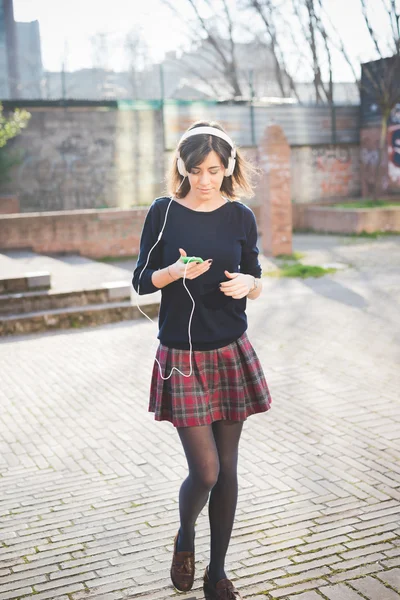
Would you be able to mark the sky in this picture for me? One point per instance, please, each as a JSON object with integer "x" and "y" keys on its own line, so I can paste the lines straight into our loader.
{"x": 76, "y": 21}
{"x": 67, "y": 26}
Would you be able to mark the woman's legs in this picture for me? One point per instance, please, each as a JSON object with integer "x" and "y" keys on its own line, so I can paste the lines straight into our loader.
{"x": 202, "y": 457}
{"x": 212, "y": 454}
{"x": 223, "y": 498}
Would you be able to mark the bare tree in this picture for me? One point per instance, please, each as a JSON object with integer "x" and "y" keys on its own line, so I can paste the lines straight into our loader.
{"x": 336, "y": 42}
{"x": 219, "y": 45}
{"x": 394, "y": 15}
{"x": 382, "y": 78}
{"x": 101, "y": 55}
{"x": 136, "y": 51}
{"x": 100, "y": 50}
{"x": 309, "y": 22}
{"x": 67, "y": 88}
{"x": 311, "y": 37}
{"x": 268, "y": 11}
{"x": 388, "y": 45}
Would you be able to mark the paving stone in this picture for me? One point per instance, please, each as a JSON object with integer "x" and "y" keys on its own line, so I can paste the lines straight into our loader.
{"x": 374, "y": 589}
{"x": 391, "y": 577}
{"x": 300, "y": 587}
{"x": 89, "y": 482}
{"x": 339, "y": 592}
{"x": 306, "y": 596}
{"x": 357, "y": 572}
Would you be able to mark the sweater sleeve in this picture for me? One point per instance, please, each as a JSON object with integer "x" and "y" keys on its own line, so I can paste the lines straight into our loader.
{"x": 142, "y": 281}
{"x": 249, "y": 263}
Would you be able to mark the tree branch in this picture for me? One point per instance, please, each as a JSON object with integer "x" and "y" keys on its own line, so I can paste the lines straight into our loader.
{"x": 209, "y": 35}
{"x": 395, "y": 22}
{"x": 198, "y": 74}
{"x": 369, "y": 27}
{"x": 340, "y": 46}
{"x": 229, "y": 64}
{"x": 271, "y": 31}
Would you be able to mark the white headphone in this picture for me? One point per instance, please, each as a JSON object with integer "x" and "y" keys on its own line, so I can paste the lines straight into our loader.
{"x": 211, "y": 131}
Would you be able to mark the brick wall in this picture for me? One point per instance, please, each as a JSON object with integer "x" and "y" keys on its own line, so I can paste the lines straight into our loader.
{"x": 78, "y": 157}
{"x": 320, "y": 172}
{"x": 113, "y": 232}
{"x": 96, "y": 234}
{"x": 340, "y": 220}
{"x": 88, "y": 157}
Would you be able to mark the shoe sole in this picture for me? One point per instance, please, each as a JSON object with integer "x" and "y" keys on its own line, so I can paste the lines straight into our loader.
{"x": 208, "y": 592}
{"x": 186, "y": 589}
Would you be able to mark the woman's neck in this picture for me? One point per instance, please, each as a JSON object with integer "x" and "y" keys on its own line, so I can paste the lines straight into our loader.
{"x": 195, "y": 203}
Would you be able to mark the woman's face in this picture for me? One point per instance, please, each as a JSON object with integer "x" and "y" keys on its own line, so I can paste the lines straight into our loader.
{"x": 206, "y": 179}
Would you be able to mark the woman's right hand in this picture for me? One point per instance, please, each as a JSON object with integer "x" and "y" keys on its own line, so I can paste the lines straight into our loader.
{"x": 192, "y": 269}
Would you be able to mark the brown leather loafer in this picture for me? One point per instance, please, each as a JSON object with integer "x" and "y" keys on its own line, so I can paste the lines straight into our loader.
{"x": 223, "y": 589}
{"x": 182, "y": 569}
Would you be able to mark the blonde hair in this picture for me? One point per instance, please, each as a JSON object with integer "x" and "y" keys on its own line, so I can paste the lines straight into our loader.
{"x": 194, "y": 150}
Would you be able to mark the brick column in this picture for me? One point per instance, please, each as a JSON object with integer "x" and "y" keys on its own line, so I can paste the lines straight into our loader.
{"x": 274, "y": 194}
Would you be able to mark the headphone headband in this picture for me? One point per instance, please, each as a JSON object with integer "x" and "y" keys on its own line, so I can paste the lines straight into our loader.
{"x": 207, "y": 130}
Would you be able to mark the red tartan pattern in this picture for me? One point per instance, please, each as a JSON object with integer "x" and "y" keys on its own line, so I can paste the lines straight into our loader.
{"x": 226, "y": 383}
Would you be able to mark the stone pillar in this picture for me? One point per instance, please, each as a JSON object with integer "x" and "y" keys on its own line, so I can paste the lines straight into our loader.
{"x": 274, "y": 193}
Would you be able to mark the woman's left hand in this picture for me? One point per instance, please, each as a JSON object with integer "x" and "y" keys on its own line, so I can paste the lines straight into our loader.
{"x": 239, "y": 285}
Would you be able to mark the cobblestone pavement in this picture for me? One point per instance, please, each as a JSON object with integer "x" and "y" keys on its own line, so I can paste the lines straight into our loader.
{"x": 89, "y": 481}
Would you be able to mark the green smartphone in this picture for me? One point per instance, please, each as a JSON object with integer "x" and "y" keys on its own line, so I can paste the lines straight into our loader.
{"x": 188, "y": 259}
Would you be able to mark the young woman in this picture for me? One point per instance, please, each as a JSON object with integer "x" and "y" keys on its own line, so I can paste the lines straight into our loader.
{"x": 207, "y": 378}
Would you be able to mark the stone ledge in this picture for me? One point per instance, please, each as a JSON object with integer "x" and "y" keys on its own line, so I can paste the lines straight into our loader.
{"x": 26, "y": 283}
{"x": 45, "y": 300}
{"x": 87, "y": 316}
{"x": 329, "y": 219}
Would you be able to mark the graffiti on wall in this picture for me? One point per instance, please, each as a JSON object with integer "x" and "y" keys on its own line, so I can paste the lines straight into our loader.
{"x": 87, "y": 159}
{"x": 320, "y": 172}
{"x": 369, "y": 156}
{"x": 394, "y": 147}
{"x": 74, "y": 173}
{"x": 389, "y": 173}
{"x": 334, "y": 168}
{"x": 394, "y": 154}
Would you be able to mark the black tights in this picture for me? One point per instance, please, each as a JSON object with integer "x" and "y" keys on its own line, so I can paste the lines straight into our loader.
{"x": 212, "y": 454}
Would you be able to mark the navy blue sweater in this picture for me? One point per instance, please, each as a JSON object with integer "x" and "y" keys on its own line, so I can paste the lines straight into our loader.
{"x": 228, "y": 235}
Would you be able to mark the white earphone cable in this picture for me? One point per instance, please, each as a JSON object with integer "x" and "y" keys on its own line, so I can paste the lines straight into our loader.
{"x": 137, "y": 293}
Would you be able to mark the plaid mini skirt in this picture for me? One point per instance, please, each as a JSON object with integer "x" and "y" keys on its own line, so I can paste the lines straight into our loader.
{"x": 226, "y": 383}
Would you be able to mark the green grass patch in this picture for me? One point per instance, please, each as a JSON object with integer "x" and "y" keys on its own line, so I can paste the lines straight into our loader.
{"x": 115, "y": 259}
{"x": 302, "y": 271}
{"x": 75, "y": 322}
{"x": 295, "y": 268}
{"x": 362, "y": 234}
{"x": 373, "y": 235}
{"x": 293, "y": 256}
{"x": 366, "y": 203}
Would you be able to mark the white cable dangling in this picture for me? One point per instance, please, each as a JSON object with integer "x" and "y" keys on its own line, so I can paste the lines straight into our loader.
{"x": 137, "y": 293}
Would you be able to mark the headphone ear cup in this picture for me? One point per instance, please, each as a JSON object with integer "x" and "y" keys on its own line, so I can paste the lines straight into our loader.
{"x": 181, "y": 166}
{"x": 231, "y": 165}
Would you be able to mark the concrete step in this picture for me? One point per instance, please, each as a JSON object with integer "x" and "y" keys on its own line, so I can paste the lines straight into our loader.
{"x": 30, "y": 302}
{"x": 25, "y": 283}
{"x": 68, "y": 318}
